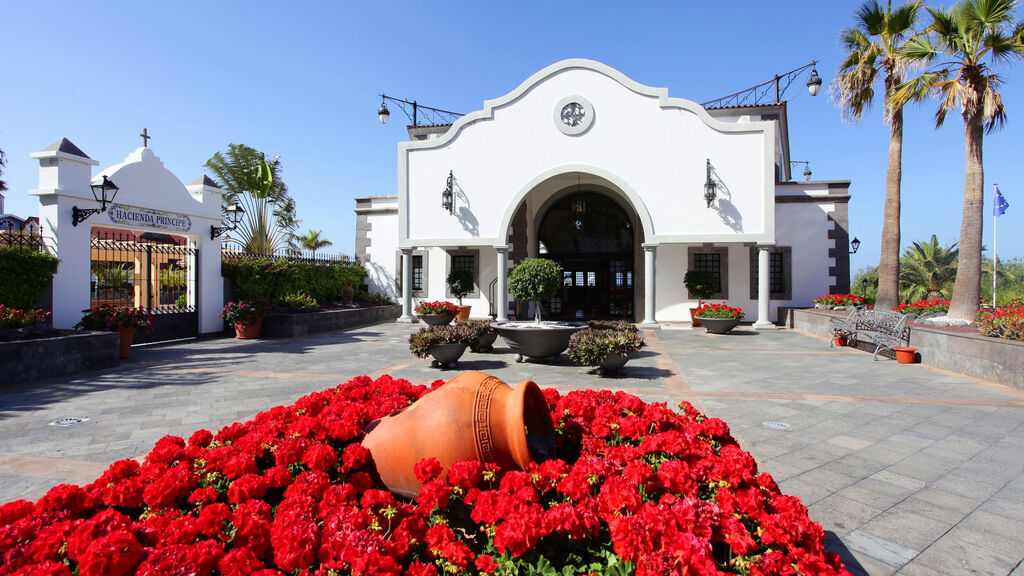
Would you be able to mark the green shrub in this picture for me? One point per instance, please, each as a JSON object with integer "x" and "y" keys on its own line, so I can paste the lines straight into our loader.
{"x": 535, "y": 279}
{"x": 421, "y": 342}
{"x": 24, "y": 275}
{"x": 590, "y": 347}
{"x": 460, "y": 283}
{"x": 620, "y": 325}
{"x": 297, "y": 299}
{"x": 700, "y": 284}
{"x": 275, "y": 278}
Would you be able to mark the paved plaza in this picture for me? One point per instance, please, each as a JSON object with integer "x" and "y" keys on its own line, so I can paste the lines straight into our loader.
{"x": 909, "y": 469}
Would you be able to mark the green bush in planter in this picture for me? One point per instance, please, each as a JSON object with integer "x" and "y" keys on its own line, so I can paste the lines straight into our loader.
{"x": 535, "y": 279}
{"x": 24, "y": 275}
{"x": 460, "y": 283}
{"x": 590, "y": 347}
{"x": 421, "y": 342}
{"x": 620, "y": 325}
{"x": 700, "y": 284}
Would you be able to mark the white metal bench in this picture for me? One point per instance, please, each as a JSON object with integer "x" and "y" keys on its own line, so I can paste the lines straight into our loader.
{"x": 885, "y": 329}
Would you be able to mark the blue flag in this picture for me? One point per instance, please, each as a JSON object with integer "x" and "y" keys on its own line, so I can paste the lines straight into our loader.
{"x": 1001, "y": 204}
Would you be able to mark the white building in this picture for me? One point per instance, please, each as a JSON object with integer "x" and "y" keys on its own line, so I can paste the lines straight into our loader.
{"x": 582, "y": 165}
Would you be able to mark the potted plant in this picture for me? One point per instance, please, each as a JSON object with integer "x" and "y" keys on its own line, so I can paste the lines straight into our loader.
{"x": 533, "y": 280}
{"x": 446, "y": 343}
{"x": 608, "y": 349}
{"x": 719, "y": 318}
{"x": 436, "y": 313}
{"x": 124, "y": 320}
{"x": 485, "y": 335}
{"x": 460, "y": 284}
{"x": 701, "y": 285}
{"x": 246, "y": 315}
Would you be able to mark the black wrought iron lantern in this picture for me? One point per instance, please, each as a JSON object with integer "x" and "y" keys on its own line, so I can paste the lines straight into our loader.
{"x": 855, "y": 244}
{"x": 448, "y": 196}
{"x": 814, "y": 82}
{"x": 709, "y": 187}
{"x": 234, "y": 213}
{"x": 383, "y": 113}
{"x": 104, "y": 192}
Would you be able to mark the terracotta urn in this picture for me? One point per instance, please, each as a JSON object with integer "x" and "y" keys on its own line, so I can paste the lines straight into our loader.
{"x": 127, "y": 334}
{"x": 250, "y": 330}
{"x": 473, "y": 416}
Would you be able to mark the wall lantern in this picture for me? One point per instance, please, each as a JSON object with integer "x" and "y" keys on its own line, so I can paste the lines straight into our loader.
{"x": 807, "y": 167}
{"x": 855, "y": 244}
{"x": 814, "y": 82}
{"x": 100, "y": 192}
{"x": 709, "y": 187}
{"x": 448, "y": 196}
{"x": 235, "y": 213}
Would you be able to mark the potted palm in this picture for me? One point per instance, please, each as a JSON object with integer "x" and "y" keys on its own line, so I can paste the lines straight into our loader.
{"x": 446, "y": 343}
{"x": 700, "y": 285}
{"x": 608, "y": 349}
{"x": 719, "y": 318}
{"x": 533, "y": 280}
{"x": 460, "y": 284}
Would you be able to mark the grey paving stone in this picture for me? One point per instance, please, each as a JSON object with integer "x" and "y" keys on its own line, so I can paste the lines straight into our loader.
{"x": 840, "y": 515}
{"x": 880, "y": 549}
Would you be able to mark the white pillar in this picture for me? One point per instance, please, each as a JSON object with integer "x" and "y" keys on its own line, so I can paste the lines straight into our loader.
{"x": 501, "y": 297}
{"x": 406, "y": 316}
{"x": 649, "y": 278}
{"x": 763, "y": 290}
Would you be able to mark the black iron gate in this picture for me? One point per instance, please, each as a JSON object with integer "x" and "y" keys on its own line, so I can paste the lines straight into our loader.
{"x": 152, "y": 270}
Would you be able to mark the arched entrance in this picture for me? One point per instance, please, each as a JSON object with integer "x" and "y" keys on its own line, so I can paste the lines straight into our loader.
{"x": 593, "y": 237}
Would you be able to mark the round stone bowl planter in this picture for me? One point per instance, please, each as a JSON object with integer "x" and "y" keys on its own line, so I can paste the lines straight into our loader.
{"x": 532, "y": 340}
{"x": 436, "y": 319}
{"x": 613, "y": 363}
{"x": 447, "y": 355}
{"x": 720, "y": 325}
{"x": 484, "y": 343}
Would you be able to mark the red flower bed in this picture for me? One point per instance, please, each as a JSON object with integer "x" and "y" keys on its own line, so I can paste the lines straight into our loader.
{"x": 638, "y": 488}
{"x": 924, "y": 306}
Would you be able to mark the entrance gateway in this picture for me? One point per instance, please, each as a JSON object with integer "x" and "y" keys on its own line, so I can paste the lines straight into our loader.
{"x": 585, "y": 166}
{"x": 150, "y": 248}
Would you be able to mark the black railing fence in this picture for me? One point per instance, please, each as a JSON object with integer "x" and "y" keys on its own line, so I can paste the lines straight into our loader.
{"x": 232, "y": 249}
{"x": 25, "y": 241}
{"x": 155, "y": 271}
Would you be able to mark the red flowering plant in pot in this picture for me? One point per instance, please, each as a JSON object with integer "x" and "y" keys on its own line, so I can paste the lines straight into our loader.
{"x": 246, "y": 316}
{"x": 124, "y": 320}
{"x": 634, "y": 488}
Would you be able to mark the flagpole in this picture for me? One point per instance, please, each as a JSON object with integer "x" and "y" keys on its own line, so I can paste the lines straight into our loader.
{"x": 995, "y": 254}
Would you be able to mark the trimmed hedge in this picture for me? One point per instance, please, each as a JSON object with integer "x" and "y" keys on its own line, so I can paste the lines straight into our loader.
{"x": 24, "y": 275}
{"x": 276, "y": 278}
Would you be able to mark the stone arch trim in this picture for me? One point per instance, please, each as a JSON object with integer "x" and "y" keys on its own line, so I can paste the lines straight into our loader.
{"x": 618, "y": 186}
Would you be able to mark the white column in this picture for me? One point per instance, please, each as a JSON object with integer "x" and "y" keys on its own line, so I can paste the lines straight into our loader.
{"x": 406, "y": 316}
{"x": 501, "y": 297}
{"x": 763, "y": 290}
{"x": 649, "y": 278}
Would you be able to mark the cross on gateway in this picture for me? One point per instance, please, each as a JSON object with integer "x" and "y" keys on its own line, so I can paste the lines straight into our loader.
{"x": 145, "y": 138}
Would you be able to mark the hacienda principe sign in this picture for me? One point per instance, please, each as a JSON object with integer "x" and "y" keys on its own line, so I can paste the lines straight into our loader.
{"x": 145, "y": 217}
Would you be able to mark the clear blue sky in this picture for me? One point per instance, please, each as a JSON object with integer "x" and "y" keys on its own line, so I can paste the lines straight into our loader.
{"x": 302, "y": 80}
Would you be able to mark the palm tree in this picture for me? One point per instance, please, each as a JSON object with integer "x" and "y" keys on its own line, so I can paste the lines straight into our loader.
{"x": 311, "y": 240}
{"x": 873, "y": 53}
{"x": 253, "y": 182}
{"x": 3, "y": 162}
{"x": 928, "y": 270}
{"x": 967, "y": 39}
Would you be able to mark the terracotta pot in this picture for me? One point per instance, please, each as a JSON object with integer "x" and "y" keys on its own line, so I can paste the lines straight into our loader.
{"x": 473, "y": 416}
{"x": 905, "y": 355}
{"x": 250, "y": 330}
{"x": 125, "y": 345}
{"x": 695, "y": 322}
{"x": 463, "y": 313}
{"x": 840, "y": 340}
{"x": 436, "y": 319}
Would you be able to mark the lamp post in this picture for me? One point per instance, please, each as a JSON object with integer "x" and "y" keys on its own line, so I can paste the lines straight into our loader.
{"x": 756, "y": 95}
{"x": 435, "y": 116}
{"x": 99, "y": 192}
{"x": 235, "y": 213}
{"x": 864, "y": 288}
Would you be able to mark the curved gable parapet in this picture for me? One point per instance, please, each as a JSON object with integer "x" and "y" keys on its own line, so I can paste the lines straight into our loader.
{"x": 143, "y": 180}
{"x": 664, "y": 101}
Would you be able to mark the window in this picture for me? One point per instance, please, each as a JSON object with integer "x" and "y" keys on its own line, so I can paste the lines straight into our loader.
{"x": 417, "y": 273}
{"x": 468, "y": 260}
{"x": 714, "y": 260}
{"x": 780, "y": 273}
{"x": 464, "y": 262}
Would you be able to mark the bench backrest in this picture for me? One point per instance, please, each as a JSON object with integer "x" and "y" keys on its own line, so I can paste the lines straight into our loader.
{"x": 883, "y": 321}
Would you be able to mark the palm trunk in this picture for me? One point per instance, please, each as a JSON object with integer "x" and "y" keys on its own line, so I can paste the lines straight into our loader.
{"x": 967, "y": 288}
{"x": 888, "y": 296}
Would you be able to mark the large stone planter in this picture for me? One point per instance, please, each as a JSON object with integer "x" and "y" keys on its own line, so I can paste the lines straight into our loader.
{"x": 613, "y": 363}
{"x": 299, "y": 325}
{"x": 532, "y": 340}
{"x": 484, "y": 343}
{"x": 66, "y": 352}
{"x": 719, "y": 325}
{"x": 447, "y": 355}
{"x": 436, "y": 319}
{"x": 474, "y": 416}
